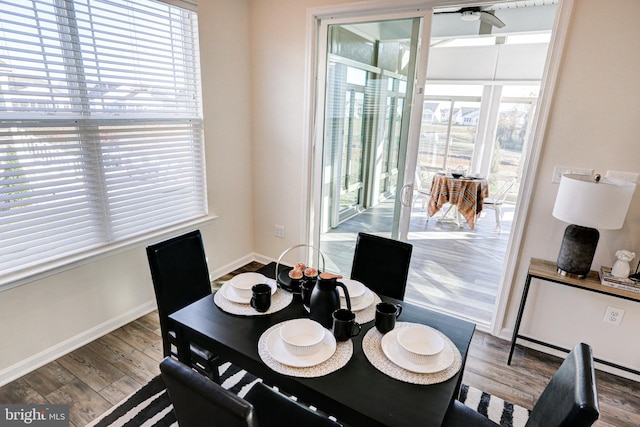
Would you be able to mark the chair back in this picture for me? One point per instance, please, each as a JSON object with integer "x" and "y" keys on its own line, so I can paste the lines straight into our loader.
{"x": 180, "y": 276}
{"x": 382, "y": 264}
{"x": 198, "y": 401}
{"x": 500, "y": 196}
{"x": 570, "y": 399}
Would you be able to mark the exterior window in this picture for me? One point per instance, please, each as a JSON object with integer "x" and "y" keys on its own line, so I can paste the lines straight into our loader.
{"x": 100, "y": 126}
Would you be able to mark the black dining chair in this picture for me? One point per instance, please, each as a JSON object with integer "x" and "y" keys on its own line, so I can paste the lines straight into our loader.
{"x": 180, "y": 276}
{"x": 382, "y": 264}
{"x": 569, "y": 400}
{"x": 198, "y": 401}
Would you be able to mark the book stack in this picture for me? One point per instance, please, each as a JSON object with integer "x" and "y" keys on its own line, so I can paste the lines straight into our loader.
{"x": 608, "y": 279}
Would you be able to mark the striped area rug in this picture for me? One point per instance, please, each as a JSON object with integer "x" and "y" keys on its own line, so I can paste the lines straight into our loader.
{"x": 150, "y": 406}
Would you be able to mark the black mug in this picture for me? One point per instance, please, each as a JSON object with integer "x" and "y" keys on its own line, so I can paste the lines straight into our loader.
{"x": 386, "y": 315}
{"x": 345, "y": 325}
{"x": 306, "y": 289}
{"x": 261, "y": 297}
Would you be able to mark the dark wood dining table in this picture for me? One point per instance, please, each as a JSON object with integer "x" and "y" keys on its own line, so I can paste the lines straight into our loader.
{"x": 358, "y": 394}
{"x": 464, "y": 194}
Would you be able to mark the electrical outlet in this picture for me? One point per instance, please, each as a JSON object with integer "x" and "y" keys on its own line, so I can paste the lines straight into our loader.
{"x": 280, "y": 231}
{"x": 558, "y": 171}
{"x": 613, "y": 315}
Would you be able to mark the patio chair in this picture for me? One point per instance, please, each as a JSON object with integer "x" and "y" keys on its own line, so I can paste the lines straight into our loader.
{"x": 419, "y": 192}
{"x": 569, "y": 400}
{"x": 180, "y": 276}
{"x": 497, "y": 200}
{"x": 197, "y": 401}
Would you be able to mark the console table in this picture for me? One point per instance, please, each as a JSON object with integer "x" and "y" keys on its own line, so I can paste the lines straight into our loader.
{"x": 547, "y": 270}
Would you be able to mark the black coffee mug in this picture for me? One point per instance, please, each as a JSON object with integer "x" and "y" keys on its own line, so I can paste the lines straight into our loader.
{"x": 386, "y": 315}
{"x": 306, "y": 289}
{"x": 345, "y": 325}
{"x": 261, "y": 297}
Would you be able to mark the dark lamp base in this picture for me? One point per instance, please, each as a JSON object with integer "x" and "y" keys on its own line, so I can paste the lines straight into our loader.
{"x": 577, "y": 251}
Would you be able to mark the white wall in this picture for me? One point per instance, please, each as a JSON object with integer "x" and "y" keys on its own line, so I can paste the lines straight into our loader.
{"x": 47, "y": 317}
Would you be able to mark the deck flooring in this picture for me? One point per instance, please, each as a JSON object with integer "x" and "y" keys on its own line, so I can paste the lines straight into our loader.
{"x": 453, "y": 269}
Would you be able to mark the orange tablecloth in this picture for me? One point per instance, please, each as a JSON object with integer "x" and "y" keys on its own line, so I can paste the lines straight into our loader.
{"x": 466, "y": 194}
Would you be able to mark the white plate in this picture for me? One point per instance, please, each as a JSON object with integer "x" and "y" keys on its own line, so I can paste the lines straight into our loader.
{"x": 230, "y": 294}
{"x": 351, "y": 285}
{"x": 276, "y": 349}
{"x": 247, "y": 280}
{"x": 365, "y": 301}
{"x": 393, "y": 351}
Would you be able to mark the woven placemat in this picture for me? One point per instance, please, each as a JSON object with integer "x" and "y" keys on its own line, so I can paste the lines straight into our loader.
{"x": 373, "y": 350}
{"x": 344, "y": 351}
{"x": 279, "y": 300}
{"x": 368, "y": 314}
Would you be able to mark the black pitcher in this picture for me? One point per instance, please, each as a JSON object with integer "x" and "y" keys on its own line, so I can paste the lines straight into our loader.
{"x": 325, "y": 299}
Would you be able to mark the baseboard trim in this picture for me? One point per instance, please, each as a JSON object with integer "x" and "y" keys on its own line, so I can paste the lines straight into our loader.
{"x": 227, "y": 268}
{"x": 52, "y": 353}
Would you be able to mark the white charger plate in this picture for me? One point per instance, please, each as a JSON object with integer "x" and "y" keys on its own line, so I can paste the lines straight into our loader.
{"x": 230, "y": 294}
{"x": 365, "y": 301}
{"x": 392, "y": 349}
{"x": 247, "y": 280}
{"x": 276, "y": 349}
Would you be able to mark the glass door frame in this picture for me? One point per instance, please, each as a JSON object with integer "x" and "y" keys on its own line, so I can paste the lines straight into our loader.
{"x": 413, "y": 111}
{"x": 383, "y": 10}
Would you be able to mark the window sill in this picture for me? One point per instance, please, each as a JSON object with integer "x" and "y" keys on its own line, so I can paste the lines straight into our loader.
{"x": 18, "y": 278}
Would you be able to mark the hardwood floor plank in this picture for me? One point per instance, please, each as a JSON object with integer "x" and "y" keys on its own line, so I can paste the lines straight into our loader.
{"x": 118, "y": 391}
{"x": 91, "y": 368}
{"x": 138, "y": 337}
{"x": 49, "y": 378}
{"x": 85, "y": 404}
{"x": 20, "y": 391}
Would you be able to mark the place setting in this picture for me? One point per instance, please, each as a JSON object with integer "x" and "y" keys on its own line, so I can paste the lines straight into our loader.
{"x": 409, "y": 352}
{"x": 304, "y": 348}
{"x": 251, "y": 294}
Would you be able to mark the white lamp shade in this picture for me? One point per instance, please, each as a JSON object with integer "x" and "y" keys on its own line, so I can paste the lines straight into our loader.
{"x": 583, "y": 201}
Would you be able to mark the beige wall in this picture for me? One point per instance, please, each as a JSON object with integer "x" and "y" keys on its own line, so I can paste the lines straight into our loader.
{"x": 254, "y": 76}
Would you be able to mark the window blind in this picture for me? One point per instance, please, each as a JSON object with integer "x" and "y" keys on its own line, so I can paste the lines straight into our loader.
{"x": 100, "y": 125}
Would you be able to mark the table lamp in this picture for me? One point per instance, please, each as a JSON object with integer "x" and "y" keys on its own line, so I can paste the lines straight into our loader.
{"x": 588, "y": 203}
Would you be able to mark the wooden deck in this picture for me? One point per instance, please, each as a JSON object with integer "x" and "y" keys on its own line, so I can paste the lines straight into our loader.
{"x": 453, "y": 269}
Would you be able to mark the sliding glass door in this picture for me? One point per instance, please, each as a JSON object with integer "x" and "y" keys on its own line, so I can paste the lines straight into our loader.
{"x": 366, "y": 97}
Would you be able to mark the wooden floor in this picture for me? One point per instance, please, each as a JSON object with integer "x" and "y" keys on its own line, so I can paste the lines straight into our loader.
{"x": 95, "y": 377}
{"x": 453, "y": 268}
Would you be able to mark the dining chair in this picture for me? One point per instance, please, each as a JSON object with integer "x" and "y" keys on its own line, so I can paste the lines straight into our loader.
{"x": 382, "y": 264}
{"x": 198, "y": 401}
{"x": 497, "y": 200}
{"x": 180, "y": 276}
{"x": 569, "y": 400}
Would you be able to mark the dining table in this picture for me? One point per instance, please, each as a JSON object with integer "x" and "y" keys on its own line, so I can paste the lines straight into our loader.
{"x": 464, "y": 194}
{"x": 358, "y": 393}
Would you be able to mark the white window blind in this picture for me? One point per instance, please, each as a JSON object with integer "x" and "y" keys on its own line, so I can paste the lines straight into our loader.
{"x": 100, "y": 125}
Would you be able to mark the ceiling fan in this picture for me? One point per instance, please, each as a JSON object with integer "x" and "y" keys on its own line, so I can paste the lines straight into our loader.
{"x": 475, "y": 14}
